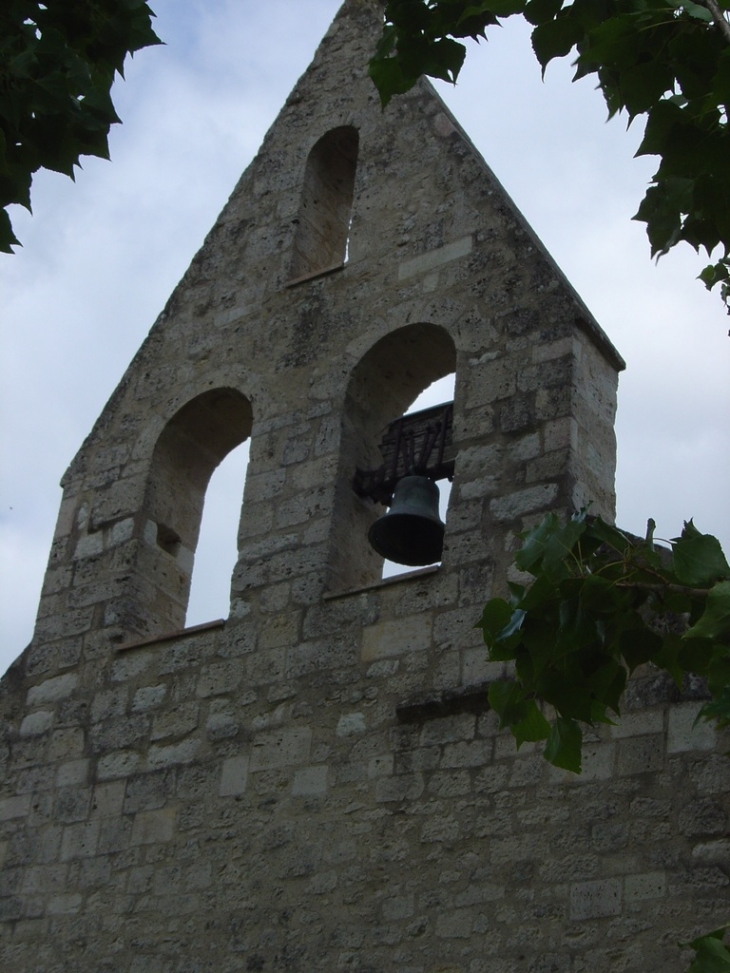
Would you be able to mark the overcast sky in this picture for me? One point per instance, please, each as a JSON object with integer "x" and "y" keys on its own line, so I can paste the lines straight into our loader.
{"x": 101, "y": 256}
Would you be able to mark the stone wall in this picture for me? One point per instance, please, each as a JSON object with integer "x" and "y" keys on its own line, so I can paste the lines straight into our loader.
{"x": 317, "y": 783}
{"x": 212, "y": 805}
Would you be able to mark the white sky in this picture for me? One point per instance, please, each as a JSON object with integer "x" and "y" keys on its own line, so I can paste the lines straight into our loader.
{"x": 101, "y": 256}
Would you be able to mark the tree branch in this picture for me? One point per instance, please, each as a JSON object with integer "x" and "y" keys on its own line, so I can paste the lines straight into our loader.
{"x": 718, "y": 17}
{"x": 678, "y": 589}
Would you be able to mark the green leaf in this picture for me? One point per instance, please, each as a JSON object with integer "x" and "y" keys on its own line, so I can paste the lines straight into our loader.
{"x": 692, "y": 9}
{"x": 532, "y": 727}
{"x": 499, "y": 8}
{"x": 668, "y": 657}
{"x": 549, "y": 544}
{"x": 718, "y": 675}
{"x": 59, "y": 61}
{"x": 698, "y": 558}
{"x": 540, "y": 11}
{"x": 714, "y": 623}
{"x": 555, "y": 38}
{"x": 608, "y": 534}
{"x": 712, "y": 956}
{"x": 7, "y": 237}
{"x": 640, "y": 645}
{"x": 388, "y": 77}
{"x": 507, "y": 700}
{"x": 495, "y": 617}
{"x": 714, "y": 274}
{"x": 563, "y": 748}
{"x": 718, "y": 710}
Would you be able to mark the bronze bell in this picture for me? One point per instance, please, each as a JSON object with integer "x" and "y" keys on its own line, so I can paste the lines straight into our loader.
{"x": 412, "y": 531}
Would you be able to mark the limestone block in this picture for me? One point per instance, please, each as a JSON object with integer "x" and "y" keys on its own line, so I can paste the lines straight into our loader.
{"x": 308, "y": 657}
{"x": 149, "y": 697}
{"x": 108, "y": 799}
{"x": 168, "y": 756}
{"x": 153, "y": 827}
{"x": 713, "y": 852}
{"x": 79, "y": 840}
{"x": 683, "y": 734}
{"x": 280, "y": 748}
{"x": 523, "y": 502}
{"x": 14, "y": 807}
{"x": 89, "y": 545}
{"x": 641, "y": 754}
{"x": 61, "y": 653}
{"x": 381, "y": 766}
{"x": 60, "y": 905}
{"x": 475, "y": 753}
{"x": 266, "y": 667}
{"x": 649, "y": 885}
{"x": 34, "y": 724}
{"x": 280, "y": 630}
{"x": 553, "y": 349}
{"x": 221, "y": 726}
{"x": 560, "y": 434}
{"x": 310, "y": 782}
{"x": 63, "y": 626}
{"x": 72, "y": 804}
{"x": 351, "y": 724}
{"x": 477, "y": 668}
{"x": 51, "y": 690}
{"x": 108, "y": 704}
{"x": 147, "y": 792}
{"x": 435, "y": 258}
{"x": 524, "y": 448}
{"x": 637, "y": 723}
{"x": 593, "y": 900}
{"x": 234, "y": 776}
{"x": 179, "y": 720}
{"x": 405, "y": 787}
{"x": 455, "y": 925}
{"x": 130, "y": 664}
{"x": 119, "y": 733}
{"x": 475, "y": 461}
{"x": 391, "y": 638}
{"x": 119, "y": 764}
{"x": 120, "y": 532}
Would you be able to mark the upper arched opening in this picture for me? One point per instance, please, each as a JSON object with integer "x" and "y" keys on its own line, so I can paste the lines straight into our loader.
{"x": 323, "y": 222}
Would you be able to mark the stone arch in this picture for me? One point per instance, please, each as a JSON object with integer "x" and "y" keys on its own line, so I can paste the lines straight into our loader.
{"x": 383, "y": 384}
{"x": 192, "y": 444}
{"x": 323, "y": 222}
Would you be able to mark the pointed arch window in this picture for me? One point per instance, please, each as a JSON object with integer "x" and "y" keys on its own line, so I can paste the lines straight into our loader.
{"x": 325, "y": 209}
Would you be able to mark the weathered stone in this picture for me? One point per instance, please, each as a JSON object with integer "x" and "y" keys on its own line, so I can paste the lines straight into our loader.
{"x": 318, "y": 783}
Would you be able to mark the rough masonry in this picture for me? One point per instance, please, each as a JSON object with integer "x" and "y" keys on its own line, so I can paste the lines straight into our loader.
{"x": 316, "y": 783}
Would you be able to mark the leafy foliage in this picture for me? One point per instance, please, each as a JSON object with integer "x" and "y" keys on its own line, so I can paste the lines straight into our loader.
{"x": 58, "y": 61}
{"x": 601, "y": 604}
{"x": 711, "y": 954}
{"x": 668, "y": 60}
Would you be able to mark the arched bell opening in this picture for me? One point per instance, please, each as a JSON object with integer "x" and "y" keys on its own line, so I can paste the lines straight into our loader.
{"x": 438, "y": 393}
{"x": 216, "y": 553}
{"x": 191, "y": 446}
{"x": 384, "y": 383}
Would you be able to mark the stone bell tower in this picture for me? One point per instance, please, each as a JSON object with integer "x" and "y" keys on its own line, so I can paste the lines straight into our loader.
{"x": 316, "y": 783}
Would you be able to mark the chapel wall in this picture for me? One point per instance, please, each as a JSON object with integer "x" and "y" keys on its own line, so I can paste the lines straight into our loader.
{"x": 316, "y": 782}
